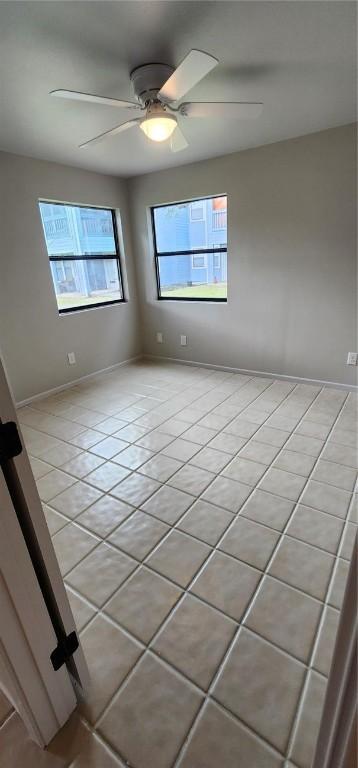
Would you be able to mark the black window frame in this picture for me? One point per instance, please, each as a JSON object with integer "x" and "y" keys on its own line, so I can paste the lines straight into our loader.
{"x": 195, "y": 251}
{"x": 88, "y": 257}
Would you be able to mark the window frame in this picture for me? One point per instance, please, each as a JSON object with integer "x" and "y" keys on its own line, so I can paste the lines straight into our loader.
{"x": 87, "y": 257}
{"x": 195, "y": 252}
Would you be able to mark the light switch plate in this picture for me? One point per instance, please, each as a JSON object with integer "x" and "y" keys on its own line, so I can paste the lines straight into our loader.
{"x": 71, "y": 358}
{"x": 183, "y": 341}
{"x": 352, "y": 358}
{"x": 159, "y": 337}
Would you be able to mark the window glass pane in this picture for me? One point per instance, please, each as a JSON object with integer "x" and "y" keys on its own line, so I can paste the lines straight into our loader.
{"x": 181, "y": 279}
{"x": 72, "y": 230}
{"x": 81, "y": 282}
{"x": 192, "y": 225}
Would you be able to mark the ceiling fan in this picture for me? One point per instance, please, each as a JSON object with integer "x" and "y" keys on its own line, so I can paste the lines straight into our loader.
{"x": 157, "y": 89}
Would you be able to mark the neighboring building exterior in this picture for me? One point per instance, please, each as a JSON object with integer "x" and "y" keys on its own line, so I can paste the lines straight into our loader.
{"x": 201, "y": 224}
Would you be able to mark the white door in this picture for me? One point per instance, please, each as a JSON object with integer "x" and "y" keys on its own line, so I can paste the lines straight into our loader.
{"x": 35, "y": 615}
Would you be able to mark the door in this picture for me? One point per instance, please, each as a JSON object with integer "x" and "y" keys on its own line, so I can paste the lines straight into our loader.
{"x": 36, "y": 620}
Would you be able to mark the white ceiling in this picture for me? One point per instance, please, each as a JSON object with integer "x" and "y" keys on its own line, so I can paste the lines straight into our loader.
{"x": 296, "y": 57}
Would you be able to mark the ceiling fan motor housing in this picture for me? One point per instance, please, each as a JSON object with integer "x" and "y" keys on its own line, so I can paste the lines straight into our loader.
{"x": 148, "y": 79}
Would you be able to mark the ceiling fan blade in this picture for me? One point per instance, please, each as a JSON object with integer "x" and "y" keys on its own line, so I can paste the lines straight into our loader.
{"x": 77, "y": 96}
{"x": 230, "y": 109}
{"x": 178, "y": 141}
{"x": 111, "y": 132}
{"x": 192, "y": 69}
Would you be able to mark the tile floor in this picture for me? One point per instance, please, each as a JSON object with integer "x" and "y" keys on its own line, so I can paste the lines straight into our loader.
{"x": 203, "y": 523}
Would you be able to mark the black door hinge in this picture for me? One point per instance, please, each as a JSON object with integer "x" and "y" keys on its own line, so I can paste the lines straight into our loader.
{"x": 10, "y": 443}
{"x": 64, "y": 650}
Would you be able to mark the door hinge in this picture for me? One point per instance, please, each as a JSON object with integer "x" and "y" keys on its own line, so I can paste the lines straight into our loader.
{"x": 64, "y": 650}
{"x": 10, "y": 443}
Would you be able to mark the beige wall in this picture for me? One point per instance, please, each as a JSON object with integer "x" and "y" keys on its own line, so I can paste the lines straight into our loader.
{"x": 34, "y": 338}
{"x": 291, "y": 259}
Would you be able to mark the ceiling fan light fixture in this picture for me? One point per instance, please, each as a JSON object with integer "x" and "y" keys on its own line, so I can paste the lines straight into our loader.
{"x": 158, "y": 125}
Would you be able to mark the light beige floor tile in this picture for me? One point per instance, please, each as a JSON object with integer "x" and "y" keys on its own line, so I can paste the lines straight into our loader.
{"x": 179, "y": 557}
{"x": 96, "y": 755}
{"x": 195, "y": 639}
{"x": 340, "y": 454}
{"x": 206, "y": 521}
{"x": 302, "y": 566}
{"x": 165, "y": 707}
{"x": 285, "y": 423}
{"x": 226, "y": 584}
{"x": 272, "y": 682}
{"x": 191, "y": 479}
{"x": 210, "y": 459}
{"x": 198, "y": 434}
{"x": 260, "y": 452}
{"x": 327, "y": 637}
{"x": 53, "y": 483}
{"x": 311, "y": 429}
{"x": 111, "y": 425}
{"x": 108, "y": 447}
{"x": 344, "y": 437}
{"x": 168, "y": 504}
{"x": 285, "y": 617}
{"x": 107, "y": 476}
{"x": 76, "y": 499}
{"x": 270, "y": 510}
{"x": 82, "y": 611}
{"x": 327, "y": 498}
{"x": 39, "y": 467}
{"x": 335, "y": 474}
{"x": 135, "y": 489}
{"x": 213, "y": 421}
{"x": 306, "y": 733}
{"x": 316, "y": 528}
{"x": 250, "y": 542}
{"x": 19, "y": 751}
{"x": 87, "y": 439}
{"x": 338, "y": 584}
{"x": 312, "y": 446}
{"x": 241, "y": 428}
{"x": 173, "y": 427}
{"x": 347, "y": 542}
{"x": 61, "y": 454}
{"x": 82, "y": 464}
{"x": 271, "y": 436}
{"x": 220, "y": 741}
{"x": 131, "y": 432}
{"x": 133, "y": 457}
{"x": 155, "y": 441}
{"x": 71, "y": 545}
{"x": 284, "y": 484}
{"x": 181, "y": 449}
{"x": 244, "y": 471}
{"x": 105, "y": 515}
{"x": 143, "y": 602}
{"x": 228, "y": 443}
{"x": 160, "y": 467}
{"x": 100, "y": 573}
{"x": 54, "y": 520}
{"x": 292, "y": 461}
{"x": 110, "y": 655}
{"x": 227, "y": 493}
{"x": 139, "y": 534}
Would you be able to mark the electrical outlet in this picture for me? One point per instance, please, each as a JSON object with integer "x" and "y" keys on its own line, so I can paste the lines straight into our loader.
{"x": 352, "y": 358}
{"x": 183, "y": 341}
{"x": 71, "y": 358}
{"x": 159, "y": 337}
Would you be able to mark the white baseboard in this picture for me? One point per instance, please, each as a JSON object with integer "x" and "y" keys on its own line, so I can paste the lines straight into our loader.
{"x": 73, "y": 383}
{"x": 264, "y": 374}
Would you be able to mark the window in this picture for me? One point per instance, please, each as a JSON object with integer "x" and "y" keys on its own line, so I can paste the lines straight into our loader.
{"x": 190, "y": 255}
{"x": 82, "y": 245}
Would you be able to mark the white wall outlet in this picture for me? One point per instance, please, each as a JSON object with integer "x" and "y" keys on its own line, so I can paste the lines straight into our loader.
{"x": 183, "y": 341}
{"x": 71, "y": 358}
{"x": 159, "y": 337}
{"x": 352, "y": 358}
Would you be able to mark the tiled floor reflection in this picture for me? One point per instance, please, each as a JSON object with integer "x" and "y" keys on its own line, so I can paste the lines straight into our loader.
{"x": 203, "y": 523}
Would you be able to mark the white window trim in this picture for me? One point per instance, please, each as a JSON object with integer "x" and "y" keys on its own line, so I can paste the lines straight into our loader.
{"x": 200, "y": 255}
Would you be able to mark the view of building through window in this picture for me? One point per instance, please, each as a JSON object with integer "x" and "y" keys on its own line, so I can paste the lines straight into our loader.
{"x": 190, "y": 243}
{"x": 82, "y": 245}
